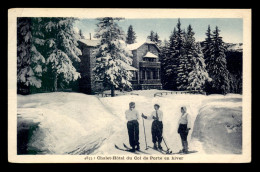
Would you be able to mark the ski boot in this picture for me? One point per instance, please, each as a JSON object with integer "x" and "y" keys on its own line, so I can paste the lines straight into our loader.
{"x": 133, "y": 149}
{"x": 137, "y": 147}
{"x": 185, "y": 147}
{"x": 154, "y": 146}
{"x": 159, "y": 146}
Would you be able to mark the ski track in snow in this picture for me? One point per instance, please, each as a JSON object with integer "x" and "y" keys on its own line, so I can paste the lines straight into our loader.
{"x": 74, "y": 123}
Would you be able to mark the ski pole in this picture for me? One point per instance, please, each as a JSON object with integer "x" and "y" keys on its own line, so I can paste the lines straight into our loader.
{"x": 168, "y": 150}
{"x": 144, "y": 135}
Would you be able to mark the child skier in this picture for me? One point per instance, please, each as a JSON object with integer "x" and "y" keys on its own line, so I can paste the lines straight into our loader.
{"x": 157, "y": 126}
{"x": 132, "y": 116}
{"x": 184, "y": 127}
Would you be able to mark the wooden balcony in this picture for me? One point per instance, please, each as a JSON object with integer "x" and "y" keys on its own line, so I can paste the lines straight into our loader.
{"x": 150, "y": 81}
{"x": 150, "y": 64}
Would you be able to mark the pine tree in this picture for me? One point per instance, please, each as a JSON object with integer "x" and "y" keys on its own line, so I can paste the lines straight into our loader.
{"x": 208, "y": 46}
{"x": 196, "y": 68}
{"x": 30, "y": 61}
{"x": 157, "y": 40}
{"x": 131, "y": 38}
{"x": 198, "y": 77}
{"x": 47, "y": 49}
{"x": 60, "y": 51}
{"x": 167, "y": 61}
{"x": 151, "y": 36}
{"x": 185, "y": 62}
{"x": 163, "y": 55}
{"x": 217, "y": 66}
{"x": 81, "y": 34}
{"x": 180, "y": 59}
{"x": 112, "y": 55}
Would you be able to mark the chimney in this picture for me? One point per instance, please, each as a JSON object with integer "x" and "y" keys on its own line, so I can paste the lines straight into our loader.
{"x": 90, "y": 36}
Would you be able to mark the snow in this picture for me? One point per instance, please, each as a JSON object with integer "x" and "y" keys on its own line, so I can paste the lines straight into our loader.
{"x": 139, "y": 44}
{"x": 235, "y": 47}
{"x": 134, "y": 46}
{"x": 128, "y": 67}
{"x": 68, "y": 121}
{"x": 82, "y": 124}
{"x": 89, "y": 42}
{"x": 219, "y": 128}
{"x": 151, "y": 55}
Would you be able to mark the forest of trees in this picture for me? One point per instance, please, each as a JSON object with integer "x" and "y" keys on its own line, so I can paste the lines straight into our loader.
{"x": 200, "y": 66}
{"x": 47, "y": 53}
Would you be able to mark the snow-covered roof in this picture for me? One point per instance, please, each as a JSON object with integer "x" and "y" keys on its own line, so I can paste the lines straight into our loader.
{"x": 139, "y": 44}
{"x": 235, "y": 47}
{"x": 128, "y": 67}
{"x": 134, "y": 46}
{"x": 150, "y": 55}
{"x": 90, "y": 42}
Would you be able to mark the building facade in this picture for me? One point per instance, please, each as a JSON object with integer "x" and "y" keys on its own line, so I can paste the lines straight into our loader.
{"x": 146, "y": 60}
{"x": 146, "y": 67}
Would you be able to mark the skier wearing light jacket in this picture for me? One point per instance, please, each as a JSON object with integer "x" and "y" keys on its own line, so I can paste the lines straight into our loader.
{"x": 132, "y": 116}
{"x": 184, "y": 127}
{"x": 157, "y": 126}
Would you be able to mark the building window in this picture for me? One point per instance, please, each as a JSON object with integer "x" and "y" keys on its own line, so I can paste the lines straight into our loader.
{"x": 148, "y": 74}
{"x": 155, "y": 74}
{"x": 143, "y": 74}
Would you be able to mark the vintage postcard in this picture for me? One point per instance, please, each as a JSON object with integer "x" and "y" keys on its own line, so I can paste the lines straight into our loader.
{"x": 129, "y": 85}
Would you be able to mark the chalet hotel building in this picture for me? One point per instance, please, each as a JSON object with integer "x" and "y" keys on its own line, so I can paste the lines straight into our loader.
{"x": 146, "y": 66}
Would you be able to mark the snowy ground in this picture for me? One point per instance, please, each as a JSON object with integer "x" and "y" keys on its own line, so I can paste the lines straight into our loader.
{"x": 82, "y": 124}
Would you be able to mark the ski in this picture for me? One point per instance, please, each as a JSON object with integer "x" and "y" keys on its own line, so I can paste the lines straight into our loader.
{"x": 189, "y": 152}
{"x": 159, "y": 150}
{"x": 136, "y": 150}
{"x": 126, "y": 150}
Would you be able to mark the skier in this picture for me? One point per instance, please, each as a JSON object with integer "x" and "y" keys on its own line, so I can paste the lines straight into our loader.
{"x": 132, "y": 116}
{"x": 184, "y": 127}
{"x": 157, "y": 126}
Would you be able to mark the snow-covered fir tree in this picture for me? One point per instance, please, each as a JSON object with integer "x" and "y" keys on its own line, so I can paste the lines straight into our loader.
{"x": 217, "y": 66}
{"x": 208, "y": 46}
{"x": 112, "y": 55}
{"x": 163, "y": 55}
{"x": 131, "y": 36}
{"x": 198, "y": 77}
{"x": 195, "y": 66}
{"x": 30, "y": 61}
{"x": 60, "y": 51}
{"x": 47, "y": 49}
{"x": 167, "y": 61}
{"x": 180, "y": 59}
{"x": 185, "y": 60}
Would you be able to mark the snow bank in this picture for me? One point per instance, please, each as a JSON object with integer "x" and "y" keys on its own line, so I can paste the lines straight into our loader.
{"x": 67, "y": 122}
{"x": 219, "y": 128}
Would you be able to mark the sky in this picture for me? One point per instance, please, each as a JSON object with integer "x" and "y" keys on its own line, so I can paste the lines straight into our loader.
{"x": 231, "y": 29}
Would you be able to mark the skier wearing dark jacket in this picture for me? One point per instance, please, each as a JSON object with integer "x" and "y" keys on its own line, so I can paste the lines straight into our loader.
{"x": 184, "y": 127}
{"x": 132, "y": 117}
{"x": 157, "y": 126}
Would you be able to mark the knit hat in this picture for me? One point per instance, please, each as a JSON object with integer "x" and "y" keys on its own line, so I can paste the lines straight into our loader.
{"x": 131, "y": 104}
